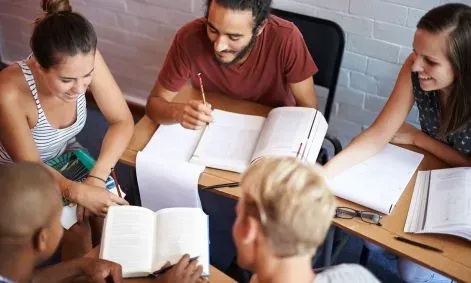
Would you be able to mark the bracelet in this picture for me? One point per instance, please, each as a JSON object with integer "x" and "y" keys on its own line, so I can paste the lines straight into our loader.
{"x": 101, "y": 179}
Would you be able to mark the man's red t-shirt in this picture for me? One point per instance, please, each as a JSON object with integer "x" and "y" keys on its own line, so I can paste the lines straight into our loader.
{"x": 279, "y": 57}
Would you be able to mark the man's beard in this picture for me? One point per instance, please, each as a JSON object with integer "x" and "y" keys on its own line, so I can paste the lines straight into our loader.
{"x": 241, "y": 54}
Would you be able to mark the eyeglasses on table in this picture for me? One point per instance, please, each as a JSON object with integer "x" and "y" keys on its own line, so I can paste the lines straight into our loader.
{"x": 366, "y": 216}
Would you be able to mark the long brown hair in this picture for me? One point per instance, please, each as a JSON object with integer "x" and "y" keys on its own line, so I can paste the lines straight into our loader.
{"x": 455, "y": 19}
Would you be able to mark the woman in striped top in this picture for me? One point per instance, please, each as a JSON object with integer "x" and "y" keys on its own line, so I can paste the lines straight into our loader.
{"x": 43, "y": 108}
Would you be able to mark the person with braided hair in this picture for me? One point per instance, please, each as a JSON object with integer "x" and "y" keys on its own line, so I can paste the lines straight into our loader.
{"x": 241, "y": 51}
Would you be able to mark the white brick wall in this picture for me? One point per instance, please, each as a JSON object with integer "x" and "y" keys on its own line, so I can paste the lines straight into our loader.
{"x": 134, "y": 36}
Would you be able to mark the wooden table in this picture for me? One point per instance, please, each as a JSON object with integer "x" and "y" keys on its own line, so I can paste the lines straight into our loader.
{"x": 216, "y": 276}
{"x": 455, "y": 261}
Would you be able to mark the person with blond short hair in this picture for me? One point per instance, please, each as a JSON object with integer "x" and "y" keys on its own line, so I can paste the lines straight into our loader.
{"x": 283, "y": 216}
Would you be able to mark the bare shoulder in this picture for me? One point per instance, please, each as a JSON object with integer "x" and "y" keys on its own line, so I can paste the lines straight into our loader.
{"x": 13, "y": 87}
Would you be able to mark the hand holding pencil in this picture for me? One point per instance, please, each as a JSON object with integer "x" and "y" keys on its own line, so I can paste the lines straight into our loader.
{"x": 195, "y": 114}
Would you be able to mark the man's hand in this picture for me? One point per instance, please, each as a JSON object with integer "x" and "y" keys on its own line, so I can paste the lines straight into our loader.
{"x": 183, "y": 272}
{"x": 100, "y": 270}
{"x": 193, "y": 114}
{"x": 407, "y": 134}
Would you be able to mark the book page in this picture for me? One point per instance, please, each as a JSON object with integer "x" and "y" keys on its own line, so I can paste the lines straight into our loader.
{"x": 284, "y": 130}
{"x": 449, "y": 201}
{"x": 181, "y": 231}
{"x": 379, "y": 181}
{"x": 418, "y": 204}
{"x": 128, "y": 239}
{"x": 228, "y": 143}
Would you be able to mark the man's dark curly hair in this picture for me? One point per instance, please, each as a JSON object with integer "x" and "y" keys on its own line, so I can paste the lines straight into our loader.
{"x": 260, "y": 8}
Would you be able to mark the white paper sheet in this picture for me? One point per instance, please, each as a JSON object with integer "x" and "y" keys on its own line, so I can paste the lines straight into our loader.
{"x": 164, "y": 182}
{"x": 379, "y": 181}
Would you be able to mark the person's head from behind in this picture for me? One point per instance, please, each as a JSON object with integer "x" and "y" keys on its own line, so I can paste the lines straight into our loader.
{"x": 31, "y": 208}
{"x": 64, "y": 45}
{"x": 442, "y": 59}
{"x": 285, "y": 211}
{"x": 233, "y": 26}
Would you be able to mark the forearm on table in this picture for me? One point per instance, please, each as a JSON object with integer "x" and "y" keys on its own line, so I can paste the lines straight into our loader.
{"x": 161, "y": 110}
{"x": 443, "y": 151}
{"x": 114, "y": 143}
{"x": 360, "y": 148}
{"x": 61, "y": 272}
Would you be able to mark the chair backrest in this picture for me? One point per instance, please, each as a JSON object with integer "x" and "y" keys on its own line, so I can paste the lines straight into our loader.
{"x": 326, "y": 41}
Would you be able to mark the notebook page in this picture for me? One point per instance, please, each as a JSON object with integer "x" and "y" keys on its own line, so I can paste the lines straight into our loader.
{"x": 181, "y": 231}
{"x": 128, "y": 239}
{"x": 285, "y": 129}
{"x": 449, "y": 202}
{"x": 379, "y": 181}
{"x": 166, "y": 182}
{"x": 228, "y": 143}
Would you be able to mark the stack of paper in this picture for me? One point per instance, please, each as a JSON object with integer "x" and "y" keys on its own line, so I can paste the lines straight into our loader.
{"x": 379, "y": 181}
{"x": 164, "y": 175}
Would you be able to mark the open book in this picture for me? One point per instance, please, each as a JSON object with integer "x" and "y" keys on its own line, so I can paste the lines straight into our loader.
{"x": 142, "y": 241}
{"x": 441, "y": 203}
{"x": 233, "y": 140}
{"x": 379, "y": 181}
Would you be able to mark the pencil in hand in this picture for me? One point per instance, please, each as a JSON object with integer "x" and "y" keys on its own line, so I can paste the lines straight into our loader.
{"x": 202, "y": 89}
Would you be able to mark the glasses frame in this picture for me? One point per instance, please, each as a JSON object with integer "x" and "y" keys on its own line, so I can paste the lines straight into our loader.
{"x": 360, "y": 214}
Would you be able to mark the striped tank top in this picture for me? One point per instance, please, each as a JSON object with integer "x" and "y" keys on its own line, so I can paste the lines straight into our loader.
{"x": 50, "y": 142}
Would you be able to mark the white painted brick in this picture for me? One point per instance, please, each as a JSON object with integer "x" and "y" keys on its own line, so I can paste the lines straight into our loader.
{"x": 349, "y": 23}
{"x": 467, "y": 2}
{"x": 354, "y": 61}
{"x": 379, "y": 10}
{"x": 374, "y": 103}
{"x": 113, "y": 5}
{"x": 393, "y": 33}
{"x": 403, "y": 54}
{"x": 97, "y": 15}
{"x": 382, "y": 69}
{"x": 14, "y": 52}
{"x": 295, "y": 7}
{"x": 363, "y": 82}
{"x": 343, "y": 130}
{"x": 372, "y": 47}
{"x": 181, "y": 5}
{"x": 338, "y": 5}
{"x": 385, "y": 86}
{"x": 349, "y": 96}
{"x": 343, "y": 79}
{"x": 422, "y": 4}
{"x": 413, "y": 17}
{"x": 159, "y": 14}
{"x": 356, "y": 114}
{"x": 146, "y": 27}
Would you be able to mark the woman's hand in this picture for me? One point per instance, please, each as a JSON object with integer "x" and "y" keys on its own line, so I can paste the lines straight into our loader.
{"x": 96, "y": 199}
{"x": 407, "y": 134}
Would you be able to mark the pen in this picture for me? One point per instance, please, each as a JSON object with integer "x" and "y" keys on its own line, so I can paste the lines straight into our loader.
{"x": 202, "y": 89}
{"x": 225, "y": 185}
{"x": 424, "y": 246}
{"x": 165, "y": 269}
{"x": 299, "y": 150}
{"x": 115, "y": 179}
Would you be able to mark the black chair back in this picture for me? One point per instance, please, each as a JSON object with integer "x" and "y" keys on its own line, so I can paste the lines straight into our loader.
{"x": 326, "y": 41}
